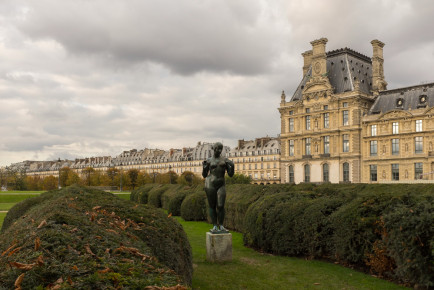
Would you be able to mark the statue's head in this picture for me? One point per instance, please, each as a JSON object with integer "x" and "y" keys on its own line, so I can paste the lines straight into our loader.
{"x": 218, "y": 148}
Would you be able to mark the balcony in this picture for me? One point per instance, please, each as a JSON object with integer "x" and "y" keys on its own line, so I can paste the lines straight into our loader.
{"x": 325, "y": 155}
{"x": 307, "y": 156}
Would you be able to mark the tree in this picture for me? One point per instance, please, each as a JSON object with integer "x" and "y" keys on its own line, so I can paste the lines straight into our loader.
{"x": 133, "y": 174}
{"x": 50, "y": 183}
{"x": 189, "y": 178}
{"x": 238, "y": 179}
{"x": 86, "y": 175}
{"x": 16, "y": 178}
{"x": 112, "y": 172}
{"x": 144, "y": 178}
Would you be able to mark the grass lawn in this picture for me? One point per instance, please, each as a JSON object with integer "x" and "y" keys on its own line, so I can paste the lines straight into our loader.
{"x": 124, "y": 195}
{"x": 20, "y": 192}
{"x": 252, "y": 270}
{"x": 6, "y": 206}
{"x": 14, "y": 197}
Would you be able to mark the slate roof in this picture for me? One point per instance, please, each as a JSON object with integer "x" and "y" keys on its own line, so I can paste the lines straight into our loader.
{"x": 344, "y": 67}
{"x": 411, "y": 98}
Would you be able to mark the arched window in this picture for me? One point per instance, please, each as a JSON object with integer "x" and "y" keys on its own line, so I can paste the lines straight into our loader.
{"x": 307, "y": 173}
{"x": 346, "y": 171}
{"x": 325, "y": 172}
{"x": 291, "y": 174}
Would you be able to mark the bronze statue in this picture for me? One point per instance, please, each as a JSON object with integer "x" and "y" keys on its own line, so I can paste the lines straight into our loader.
{"x": 215, "y": 189}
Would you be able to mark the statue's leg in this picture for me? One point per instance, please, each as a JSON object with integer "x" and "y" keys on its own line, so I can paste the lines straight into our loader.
{"x": 221, "y": 198}
{"x": 211, "y": 194}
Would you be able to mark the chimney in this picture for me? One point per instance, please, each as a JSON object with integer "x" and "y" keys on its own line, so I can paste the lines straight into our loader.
{"x": 240, "y": 143}
{"x": 319, "y": 57}
{"x": 378, "y": 82}
{"x": 307, "y": 57}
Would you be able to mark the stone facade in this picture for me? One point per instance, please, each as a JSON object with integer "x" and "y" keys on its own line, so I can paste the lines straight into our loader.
{"x": 326, "y": 124}
{"x": 259, "y": 159}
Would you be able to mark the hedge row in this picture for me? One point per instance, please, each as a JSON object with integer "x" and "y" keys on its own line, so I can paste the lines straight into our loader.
{"x": 385, "y": 229}
{"x": 83, "y": 238}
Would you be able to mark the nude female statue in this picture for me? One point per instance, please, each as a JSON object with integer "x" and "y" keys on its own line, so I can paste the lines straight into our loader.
{"x": 215, "y": 189}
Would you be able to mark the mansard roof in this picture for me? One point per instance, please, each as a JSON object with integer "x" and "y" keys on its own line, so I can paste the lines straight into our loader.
{"x": 344, "y": 67}
{"x": 409, "y": 98}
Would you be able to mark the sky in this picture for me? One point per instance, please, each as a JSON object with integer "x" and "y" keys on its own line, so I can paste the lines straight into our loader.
{"x": 82, "y": 78}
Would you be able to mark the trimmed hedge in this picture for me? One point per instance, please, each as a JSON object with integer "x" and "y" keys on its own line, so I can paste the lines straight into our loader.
{"x": 386, "y": 229}
{"x": 141, "y": 194}
{"x": 170, "y": 193}
{"x": 83, "y": 238}
{"x": 194, "y": 206}
{"x": 382, "y": 228}
{"x": 154, "y": 195}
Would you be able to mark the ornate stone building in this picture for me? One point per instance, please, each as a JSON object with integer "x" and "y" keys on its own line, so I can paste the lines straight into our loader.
{"x": 259, "y": 159}
{"x": 343, "y": 125}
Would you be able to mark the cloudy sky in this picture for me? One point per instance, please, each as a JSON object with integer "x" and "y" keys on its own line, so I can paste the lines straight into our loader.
{"x": 87, "y": 78}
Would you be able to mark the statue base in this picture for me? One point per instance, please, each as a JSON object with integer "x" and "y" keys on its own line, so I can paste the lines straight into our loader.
{"x": 218, "y": 247}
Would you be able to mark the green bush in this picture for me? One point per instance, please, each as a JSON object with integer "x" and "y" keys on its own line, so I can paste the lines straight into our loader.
{"x": 238, "y": 200}
{"x": 386, "y": 229}
{"x": 409, "y": 241}
{"x": 154, "y": 195}
{"x": 169, "y": 193}
{"x": 175, "y": 203}
{"x": 20, "y": 209}
{"x": 140, "y": 194}
{"x": 92, "y": 239}
{"x": 194, "y": 206}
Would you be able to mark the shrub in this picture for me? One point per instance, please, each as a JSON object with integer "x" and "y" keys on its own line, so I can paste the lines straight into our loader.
{"x": 194, "y": 206}
{"x": 169, "y": 193}
{"x": 154, "y": 195}
{"x": 20, "y": 209}
{"x": 82, "y": 238}
{"x": 140, "y": 194}
{"x": 409, "y": 240}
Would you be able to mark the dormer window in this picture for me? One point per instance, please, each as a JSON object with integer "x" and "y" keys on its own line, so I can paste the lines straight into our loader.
{"x": 400, "y": 102}
{"x": 422, "y": 99}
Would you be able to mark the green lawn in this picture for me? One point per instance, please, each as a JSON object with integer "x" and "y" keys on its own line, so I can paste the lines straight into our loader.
{"x": 20, "y": 192}
{"x": 6, "y": 206}
{"x": 14, "y": 198}
{"x": 252, "y": 270}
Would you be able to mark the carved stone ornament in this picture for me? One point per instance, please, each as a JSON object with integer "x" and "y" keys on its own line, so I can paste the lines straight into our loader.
{"x": 317, "y": 67}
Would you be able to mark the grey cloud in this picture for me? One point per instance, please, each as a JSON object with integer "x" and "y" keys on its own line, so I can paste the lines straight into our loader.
{"x": 187, "y": 36}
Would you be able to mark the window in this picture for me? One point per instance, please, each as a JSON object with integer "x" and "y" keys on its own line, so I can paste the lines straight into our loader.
{"x": 395, "y": 171}
{"x": 373, "y": 130}
{"x": 307, "y": 173}
{"x": 346, "y": 171}
{"x": 418, "y": 170}
{"x": 345, "y": 105}
{"x": 418, "y": 144}
{"x": 325, "y": 172}
{"x": 346, "y": 143}
{"x": 326, "y": 120}
{"x": 345, "y": 118}
{"x": 307, "y": 110}
{"x": 395, "y": 128}
{"x": 291, "y": 147}
{"x": 395, "y": 146}
{"x": 326, "y": 107}
{"x": 291, "y": 125}
{"x": 374, "y": 148}
{"x": 326, "y": 144}
{"x": 418, "y": 125}
{"x": 308, "y": 122}
{"x": 291, "y": 113}
{"x": 307, "y": 146}
{"x": 373, "y": 172}
{"x": 291, "y": 174}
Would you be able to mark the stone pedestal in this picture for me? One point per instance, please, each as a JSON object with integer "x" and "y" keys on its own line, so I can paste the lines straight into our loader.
{"x": 218, "y": 247}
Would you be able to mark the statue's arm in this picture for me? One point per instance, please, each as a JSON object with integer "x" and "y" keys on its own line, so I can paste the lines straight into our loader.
{"x": 205, "y": 168}
{"x": 230, "y": 167}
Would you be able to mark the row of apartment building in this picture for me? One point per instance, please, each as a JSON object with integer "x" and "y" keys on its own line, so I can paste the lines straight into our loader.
{"x": 340, "y": 125}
